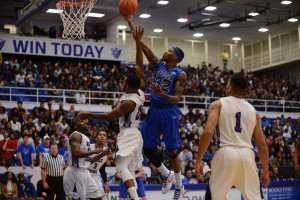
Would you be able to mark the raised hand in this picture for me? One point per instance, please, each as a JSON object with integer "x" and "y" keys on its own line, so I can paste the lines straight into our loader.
{"x": 80, "y": 117}
{"x": 138, "y": 33}
{"x": 156, "y": 89}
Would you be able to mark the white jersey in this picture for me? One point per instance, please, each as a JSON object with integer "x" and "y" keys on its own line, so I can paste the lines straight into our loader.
{"x": 95, "y": 167}
{"x": 132, "y": 120}
{"x": 83, "y": 163}
{"x": 236, "y": 123}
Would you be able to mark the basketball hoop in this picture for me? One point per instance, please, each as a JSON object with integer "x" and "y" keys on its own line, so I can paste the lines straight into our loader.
{"x": 73, "y": 14}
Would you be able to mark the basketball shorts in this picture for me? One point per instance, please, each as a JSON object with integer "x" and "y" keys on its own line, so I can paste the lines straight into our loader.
{"x": 140, "y": 190}
{"x": 79, "y": 184}
{"x": 130, "y": 145}
{"x": 162, "y": 120}
{"x": 234, "y": 166}
{"x": 99, "y": 185}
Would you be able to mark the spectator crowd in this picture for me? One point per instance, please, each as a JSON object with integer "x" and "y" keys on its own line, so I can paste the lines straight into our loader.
{"x": 26, "y": 135}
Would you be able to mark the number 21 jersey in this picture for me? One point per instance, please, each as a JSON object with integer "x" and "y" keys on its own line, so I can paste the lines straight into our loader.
{"x": 237, "y": 121}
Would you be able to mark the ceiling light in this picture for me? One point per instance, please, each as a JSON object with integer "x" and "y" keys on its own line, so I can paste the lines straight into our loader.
{"x": 253, "y": 14}
{"x": 122, "y": 27}
{"x": 292, "y": 19}
{"x": 163, "y": 2}
{"x": 286, "y": 2}
{"x": 145, "y": 16}
{"x": 157, "y": 30}
{"x": 52, "y": 11}
{"x": 198, "y": 34}
{"x": 96, "y": 15}
{"x": 210, "y": 8}
{"x": 224, "y": 25}
{"x": 236, "y": 38}
{"x": 263, "y": 30}
{"x": 182, "y": 20}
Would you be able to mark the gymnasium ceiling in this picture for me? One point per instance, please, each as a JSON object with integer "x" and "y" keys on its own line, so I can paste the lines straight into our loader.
{"x": 273, "y": 16}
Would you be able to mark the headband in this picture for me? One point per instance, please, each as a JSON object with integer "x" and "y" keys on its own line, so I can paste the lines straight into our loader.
{"x": 178, "y": 54}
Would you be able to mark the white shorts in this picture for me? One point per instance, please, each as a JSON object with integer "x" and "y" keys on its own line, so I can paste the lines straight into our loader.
{"x": 79, "y": 184}
{"x": 99, "y": 184}
{"x": 130, "y": 144}
{"x": 234, "y": 166}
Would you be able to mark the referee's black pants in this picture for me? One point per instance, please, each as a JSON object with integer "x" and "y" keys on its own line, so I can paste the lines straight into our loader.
{"x": 55, "y": 187}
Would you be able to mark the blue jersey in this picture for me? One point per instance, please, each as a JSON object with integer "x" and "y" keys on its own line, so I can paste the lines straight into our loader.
{"x": 167, "y": 78}
{"x": 65, "y": 153}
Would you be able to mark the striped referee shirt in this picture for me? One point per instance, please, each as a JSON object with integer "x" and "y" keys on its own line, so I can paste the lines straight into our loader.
{"x": 53, "y": 165}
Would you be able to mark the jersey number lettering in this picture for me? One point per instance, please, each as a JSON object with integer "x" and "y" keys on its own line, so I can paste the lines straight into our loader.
{"x": 237, "y": 127}
{"x": 166, "y": 83}
{"x": 95, "y": 165}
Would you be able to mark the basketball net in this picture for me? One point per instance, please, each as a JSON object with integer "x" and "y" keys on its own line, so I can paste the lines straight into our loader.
{"x": 73, "y": 14}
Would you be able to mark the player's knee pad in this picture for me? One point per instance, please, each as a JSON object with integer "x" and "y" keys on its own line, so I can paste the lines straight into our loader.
{"x": 153, "y": 156}
{"x": 125, "y": 175}
{"x": 173, "y": 153}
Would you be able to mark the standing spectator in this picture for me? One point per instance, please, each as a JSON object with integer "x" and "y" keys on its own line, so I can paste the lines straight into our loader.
{"x": 26, "y": 189}
{"x": 185, "y": 157}
{"x": 225, "y": 57}
{"x": 64, "y": 151}
{"x": 9, "y": 188}
{"x": 20, "y": 78}
{"x": 80, "y": 98}
{"x": 43, "y": 149}
{"x": 8, "y": 147}
{"x": 26, "y": 153}
{"x": 30, "y": 139}
{"x": 15, "y": 125}
{"x": 53, "y": 167}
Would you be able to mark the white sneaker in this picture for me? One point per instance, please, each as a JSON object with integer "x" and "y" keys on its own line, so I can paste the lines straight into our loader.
{"x": 178, "y": 193}
{"x": 167, "y": 183}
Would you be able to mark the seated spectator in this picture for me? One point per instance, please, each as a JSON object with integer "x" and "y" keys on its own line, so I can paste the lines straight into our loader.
{"x": 26, "y": 153}
{"x": 15, "y": 125}
{"x": 8, "y": 148}
{"x": 52, "y": 127}
{"x": 209, "y": 154}
{"x": 30, "y": 139}
{"x": 56, "y": 135}
{"x": 288, "y": 127}
{"x": 26, "y": 189}
{"x": 39, "y": 125}
{"x": 41, "y": 191}
{"x": 42, "y": 108}
{"x": 43, "y": 149}
{"x": 80, "y": 98}
{"x": 185, "y": 157}
{"x": 189, "y": 178}
{"x": 9, "y": 188}
{"x": 64, "y": 151}
{"x": 276, "y": 128}
{"x": 206, "y": 173}
{"x": 63, "y": 125}
{"x": 29, "y": 123}
{"x": 9, "y": 129}
{"x": 3, "y": 113}
{"x": 286, "y": 135}
{"x": 274, "y": 173}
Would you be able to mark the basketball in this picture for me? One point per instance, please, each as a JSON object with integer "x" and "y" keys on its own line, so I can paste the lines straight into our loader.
{"x": 128, "y": 7}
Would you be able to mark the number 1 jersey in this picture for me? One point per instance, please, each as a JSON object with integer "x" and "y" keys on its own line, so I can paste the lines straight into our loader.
{"x": 237, "y": 122}
{"x": 132, "y": 120}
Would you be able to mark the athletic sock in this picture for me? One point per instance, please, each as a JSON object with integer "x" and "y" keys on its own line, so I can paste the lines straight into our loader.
{"x": 178, "y": 180}
{"x": 133, "y": 193}
{"x": 165, "y": 172}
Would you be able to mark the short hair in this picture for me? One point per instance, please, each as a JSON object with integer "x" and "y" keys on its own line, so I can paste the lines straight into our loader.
{"x": 181, "y": 53}
{"x": 53, "y": 144}
{"x": 25, "y": 135}
{"x": 239, "y": 82}
{"x": 133, "y": 81}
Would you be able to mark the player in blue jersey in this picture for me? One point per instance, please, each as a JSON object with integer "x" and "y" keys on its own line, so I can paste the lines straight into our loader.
{"x": 163, "y": 114}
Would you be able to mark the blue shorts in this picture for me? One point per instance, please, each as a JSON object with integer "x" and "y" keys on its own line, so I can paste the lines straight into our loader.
{"x": 140, "y": 189}
{"x": 162, "y": 120}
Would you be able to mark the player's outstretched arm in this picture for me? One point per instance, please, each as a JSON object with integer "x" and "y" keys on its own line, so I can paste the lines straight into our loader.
{"x": 75, "y": 141}
{"x": 119, "y": 111}
{"x": 179, "y": 87}
{"x": 212, "y": 121}
{"x": 296, "y": 157}
{"x": 138, "y": 34}
{"x": 263, "y": 151}
{"x": 154, "y": 60}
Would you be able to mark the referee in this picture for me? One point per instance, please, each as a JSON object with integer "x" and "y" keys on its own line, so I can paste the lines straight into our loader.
{"x": 53, "y": 167}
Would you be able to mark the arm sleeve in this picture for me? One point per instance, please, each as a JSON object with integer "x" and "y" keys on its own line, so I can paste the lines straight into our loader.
{"x": 103, "y": 173}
